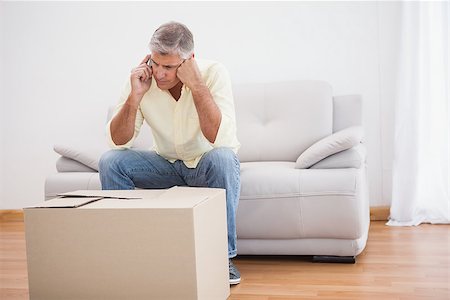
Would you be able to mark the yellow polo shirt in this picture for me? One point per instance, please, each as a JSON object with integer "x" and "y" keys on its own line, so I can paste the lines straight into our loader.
{"x": 175, "y": 124}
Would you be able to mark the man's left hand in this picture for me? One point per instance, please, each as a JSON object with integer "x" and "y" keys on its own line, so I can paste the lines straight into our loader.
{"x": 189, "y": 74}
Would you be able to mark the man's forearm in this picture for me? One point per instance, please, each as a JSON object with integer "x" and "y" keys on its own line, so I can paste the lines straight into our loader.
{"x": 208, "y": 112}
{"x": 123, "y": 124}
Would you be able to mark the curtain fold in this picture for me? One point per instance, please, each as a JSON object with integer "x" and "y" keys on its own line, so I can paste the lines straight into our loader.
{"x": 421, "y": 182}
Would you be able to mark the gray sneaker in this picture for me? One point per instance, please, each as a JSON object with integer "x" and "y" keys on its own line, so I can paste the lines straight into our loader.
{"x": 235, "y": 276}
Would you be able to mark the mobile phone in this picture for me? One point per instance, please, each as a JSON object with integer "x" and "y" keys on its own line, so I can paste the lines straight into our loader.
{"x": 149, "y": 62}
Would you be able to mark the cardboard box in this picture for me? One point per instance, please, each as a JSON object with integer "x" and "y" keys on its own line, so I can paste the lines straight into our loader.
{"x": 139, "y": 244}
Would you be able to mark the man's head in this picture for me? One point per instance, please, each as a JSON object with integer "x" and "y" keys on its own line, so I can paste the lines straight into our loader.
{"x": 173, "y": 38}
{"x": 170, "y": 45}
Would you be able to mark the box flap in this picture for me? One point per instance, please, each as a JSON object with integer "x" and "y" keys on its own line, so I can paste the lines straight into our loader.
{"x": 72, "y": 202}
{"x": 117, "y": 194}
{"x": 175, "y": 197}
{"x": 182, "y": 196}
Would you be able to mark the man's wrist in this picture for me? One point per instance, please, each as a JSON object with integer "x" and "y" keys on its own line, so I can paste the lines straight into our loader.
{"x": 198, "y": 87}
{"x": 134, "y": 100}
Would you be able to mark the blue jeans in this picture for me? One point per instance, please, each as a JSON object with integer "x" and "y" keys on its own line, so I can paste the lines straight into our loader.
{"x": 218, "y": 168}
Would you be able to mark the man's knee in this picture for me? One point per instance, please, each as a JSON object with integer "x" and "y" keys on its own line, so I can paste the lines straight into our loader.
{"x": 221, "y": 153}
{"x": 109, "y": 160}
{"x": 222, "y": 157}
{"x": 221, "y": 161}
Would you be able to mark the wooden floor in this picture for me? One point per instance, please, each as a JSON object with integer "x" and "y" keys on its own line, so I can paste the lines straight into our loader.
{"x": 398, "y": 263}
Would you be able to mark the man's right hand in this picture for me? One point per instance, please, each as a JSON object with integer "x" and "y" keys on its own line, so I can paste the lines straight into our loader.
{"x": 141, "y": 79}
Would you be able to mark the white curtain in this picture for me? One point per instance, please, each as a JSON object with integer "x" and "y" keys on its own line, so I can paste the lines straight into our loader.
{"x": 421, "y": 182}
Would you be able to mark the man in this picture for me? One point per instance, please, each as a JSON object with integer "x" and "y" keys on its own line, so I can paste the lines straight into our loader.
{"x": 188, "y": 104}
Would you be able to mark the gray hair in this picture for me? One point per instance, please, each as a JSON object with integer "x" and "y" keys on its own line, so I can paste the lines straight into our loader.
{"x": 173, "y": 38}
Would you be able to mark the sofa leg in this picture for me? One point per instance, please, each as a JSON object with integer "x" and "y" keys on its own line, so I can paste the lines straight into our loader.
{"x": 334, "y": 259}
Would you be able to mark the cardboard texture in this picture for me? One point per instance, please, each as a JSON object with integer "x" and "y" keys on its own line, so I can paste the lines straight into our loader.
{"x": 151, "y": 244}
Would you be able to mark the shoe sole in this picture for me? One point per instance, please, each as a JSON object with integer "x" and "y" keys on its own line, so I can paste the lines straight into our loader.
{"x": 235, "y": 281}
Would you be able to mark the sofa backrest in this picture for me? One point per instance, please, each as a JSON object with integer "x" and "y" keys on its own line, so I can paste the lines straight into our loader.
{"x": 278, "y": 121}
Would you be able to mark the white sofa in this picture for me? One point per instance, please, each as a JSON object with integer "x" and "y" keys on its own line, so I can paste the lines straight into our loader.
{"x": 303, "y": 171}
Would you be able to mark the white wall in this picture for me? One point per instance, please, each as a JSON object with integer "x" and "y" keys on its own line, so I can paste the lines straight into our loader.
{"x": 389, "y": 24}
{"x": 2, "y": 99}
{"x": 64, "y": 64}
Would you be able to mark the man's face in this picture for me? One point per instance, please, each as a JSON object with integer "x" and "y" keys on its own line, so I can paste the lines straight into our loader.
{"x": 165, "y": 69}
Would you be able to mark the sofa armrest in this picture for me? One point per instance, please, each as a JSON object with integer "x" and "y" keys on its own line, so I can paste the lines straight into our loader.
{"x": 71, "y": 181}
{"x": 347, "y": 111}
{"x": 86, "y": 155}
{"x": 350, "y": 158}
{"x": 65, "y": 164}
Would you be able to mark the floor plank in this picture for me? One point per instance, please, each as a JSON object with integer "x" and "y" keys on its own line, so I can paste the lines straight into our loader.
{"x": 398, "y": 263}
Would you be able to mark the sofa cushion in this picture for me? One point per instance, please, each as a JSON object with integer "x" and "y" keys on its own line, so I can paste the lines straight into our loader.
{"x": 279, "y": 201}
{"x": 278, "y": 121}
{"x": 337, "y": 142}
